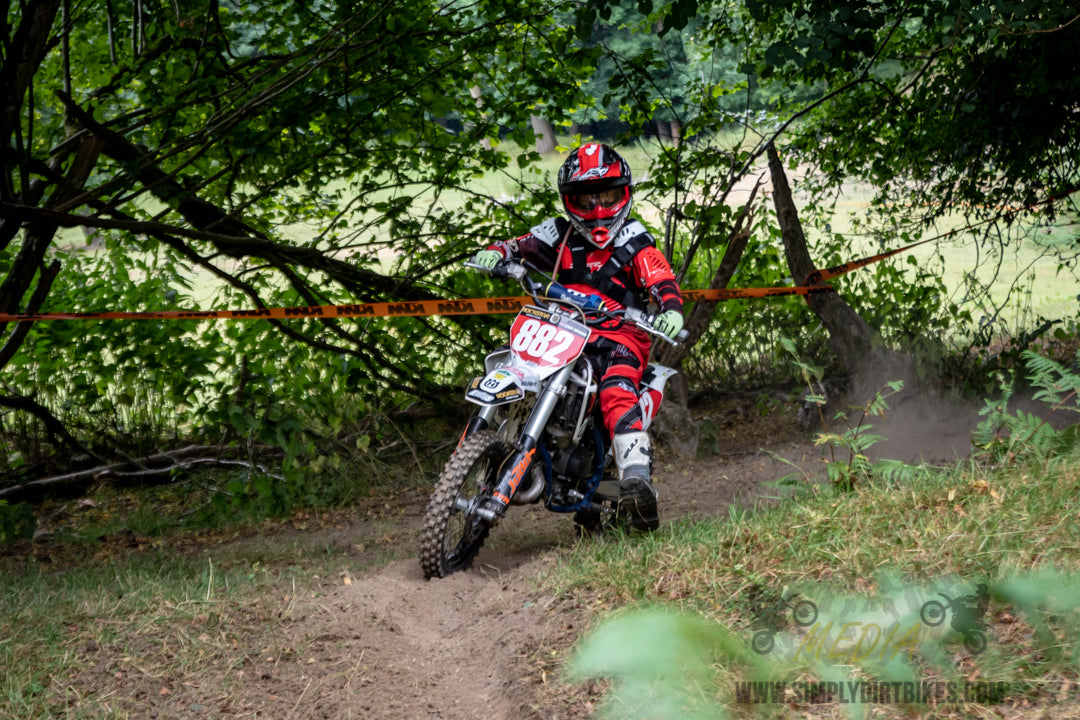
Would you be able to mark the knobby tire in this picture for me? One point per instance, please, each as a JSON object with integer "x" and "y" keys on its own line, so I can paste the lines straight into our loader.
{"x": 452, "y": 536}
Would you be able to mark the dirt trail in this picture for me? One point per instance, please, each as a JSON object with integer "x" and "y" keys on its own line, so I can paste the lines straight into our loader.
{"x": 387, "y": 644}
{"x": 448, "y": 649}
{"x": 465, "y": 646}
{"x": 392, "y": 645}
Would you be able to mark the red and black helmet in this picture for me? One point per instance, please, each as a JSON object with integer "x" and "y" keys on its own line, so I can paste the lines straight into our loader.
{"x": 594, "y": 182}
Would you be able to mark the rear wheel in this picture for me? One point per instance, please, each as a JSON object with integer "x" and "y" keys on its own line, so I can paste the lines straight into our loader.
{"x": 453, "y": 534}
{"x": 762, "y": 642}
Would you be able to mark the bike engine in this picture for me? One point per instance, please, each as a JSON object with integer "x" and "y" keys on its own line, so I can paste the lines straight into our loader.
{"x": 568, "y": 413}
{"x": 574, "y": 464}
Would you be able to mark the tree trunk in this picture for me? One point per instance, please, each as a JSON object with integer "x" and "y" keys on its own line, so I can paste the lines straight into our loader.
{"x": 697, "y": 320}
{"x": 478, "y": 97}
{"x": 545, "y": 135}
{"x": 676, "y": 133}
{"x": 663, "y": 130}
{"x": 856, "y": 344}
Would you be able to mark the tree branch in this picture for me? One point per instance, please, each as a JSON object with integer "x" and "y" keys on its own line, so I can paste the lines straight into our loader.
{"x": 160, "y": 467}
{"x": 52, "y": 424}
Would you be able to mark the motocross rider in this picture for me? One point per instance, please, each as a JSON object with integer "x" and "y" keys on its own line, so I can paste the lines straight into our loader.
{"x": 599, "y": 249}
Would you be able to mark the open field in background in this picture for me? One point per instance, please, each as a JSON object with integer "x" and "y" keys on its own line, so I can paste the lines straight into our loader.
{"x": 1026, "y": 273}
{"x": 1027, "y": 270}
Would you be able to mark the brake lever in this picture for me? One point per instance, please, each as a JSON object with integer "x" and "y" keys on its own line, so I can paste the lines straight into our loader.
{"x": 645, "y": 320}
{"x": 504, "y": 270}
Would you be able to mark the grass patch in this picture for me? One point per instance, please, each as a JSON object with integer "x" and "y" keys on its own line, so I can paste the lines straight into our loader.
{"x": 964, "y": 520}
{"x": 855, "y": 555}
{"x": 208, "y": 623}
{"x": 144, "y": 621}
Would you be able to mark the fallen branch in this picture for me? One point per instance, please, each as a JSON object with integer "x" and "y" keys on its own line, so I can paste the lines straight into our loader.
{"x": 159, "y": 467}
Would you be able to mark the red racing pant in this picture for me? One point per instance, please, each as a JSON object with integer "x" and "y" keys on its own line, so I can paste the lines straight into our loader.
{"x": 618, "y": 358}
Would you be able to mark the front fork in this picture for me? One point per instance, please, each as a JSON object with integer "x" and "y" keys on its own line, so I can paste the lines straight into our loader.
{"x": 517, "y": 465}
{"x": 479, "y": 422}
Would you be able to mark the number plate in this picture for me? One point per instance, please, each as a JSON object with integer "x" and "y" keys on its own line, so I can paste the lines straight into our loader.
{"x": 545, "y": 339}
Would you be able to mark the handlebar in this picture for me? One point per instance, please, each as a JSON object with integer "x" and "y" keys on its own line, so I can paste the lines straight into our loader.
{"x": 592, "y": 304}
{"x": 645, "y": 321}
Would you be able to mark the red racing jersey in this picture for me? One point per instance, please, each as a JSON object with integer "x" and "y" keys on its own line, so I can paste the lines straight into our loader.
{"x": 629, "y": 271}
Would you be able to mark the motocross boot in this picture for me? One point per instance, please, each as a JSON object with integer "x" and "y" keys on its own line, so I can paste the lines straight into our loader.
{"x": 637, "y": 498}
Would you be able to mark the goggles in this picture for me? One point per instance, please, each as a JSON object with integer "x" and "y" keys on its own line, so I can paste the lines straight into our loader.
{"x": 602, "y": 200}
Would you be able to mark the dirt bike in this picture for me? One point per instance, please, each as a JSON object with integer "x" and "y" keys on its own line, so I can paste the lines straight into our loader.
{"x": 538, "y": 434}
{"x": 966, "y": 619}
{"x": 771, "y": 617}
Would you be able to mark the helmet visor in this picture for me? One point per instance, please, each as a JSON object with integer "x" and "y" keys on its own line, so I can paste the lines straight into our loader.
{"x": 599, "y": 204}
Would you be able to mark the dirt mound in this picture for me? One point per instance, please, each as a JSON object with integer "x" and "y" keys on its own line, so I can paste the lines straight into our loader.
{"x": 391, "y": 645}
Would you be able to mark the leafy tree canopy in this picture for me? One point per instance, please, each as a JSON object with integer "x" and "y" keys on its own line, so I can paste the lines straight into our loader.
{"x": 297, "y": 152}
{"x": 334, "y": 152}
{"x": 972, "y": 102}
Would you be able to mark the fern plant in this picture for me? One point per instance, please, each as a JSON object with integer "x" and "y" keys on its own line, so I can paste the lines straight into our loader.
{"x": 1007, "y": 437}
{"x": 856, "y": 440}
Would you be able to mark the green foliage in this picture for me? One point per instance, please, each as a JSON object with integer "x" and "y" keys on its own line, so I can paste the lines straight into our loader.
{"x": 809, "y": 373}
{"x": 666, "y": 679}
{"x": 328, "y": 157}
{"x": 846, "y": 473}
{"x": 16, "y": 521}
{"x": 1009, "y": 436}
{"x": 669, "y": 664}
{"x": 905, "y": 300}
{"x": 325, "y": 133}
{"x": 910, "y": 123}
{"x": 855, "y": 440}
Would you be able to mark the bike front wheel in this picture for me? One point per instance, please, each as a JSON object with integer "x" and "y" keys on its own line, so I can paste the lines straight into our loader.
{"x": 975, "y": 641}
{"x": 932, "y": 613}
{"x": 453, "y": 533}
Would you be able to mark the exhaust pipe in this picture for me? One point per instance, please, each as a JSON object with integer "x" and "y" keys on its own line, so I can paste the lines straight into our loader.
{"x": 530, "y": 494}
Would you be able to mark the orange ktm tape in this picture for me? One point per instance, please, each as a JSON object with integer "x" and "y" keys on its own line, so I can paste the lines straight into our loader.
{"x": 480, "y": 306}
{"x": 422, "y": 308}
{"x": 824, "y": 274}
{"x": 471, "y": 306}
{"x": 736, "y": 293}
